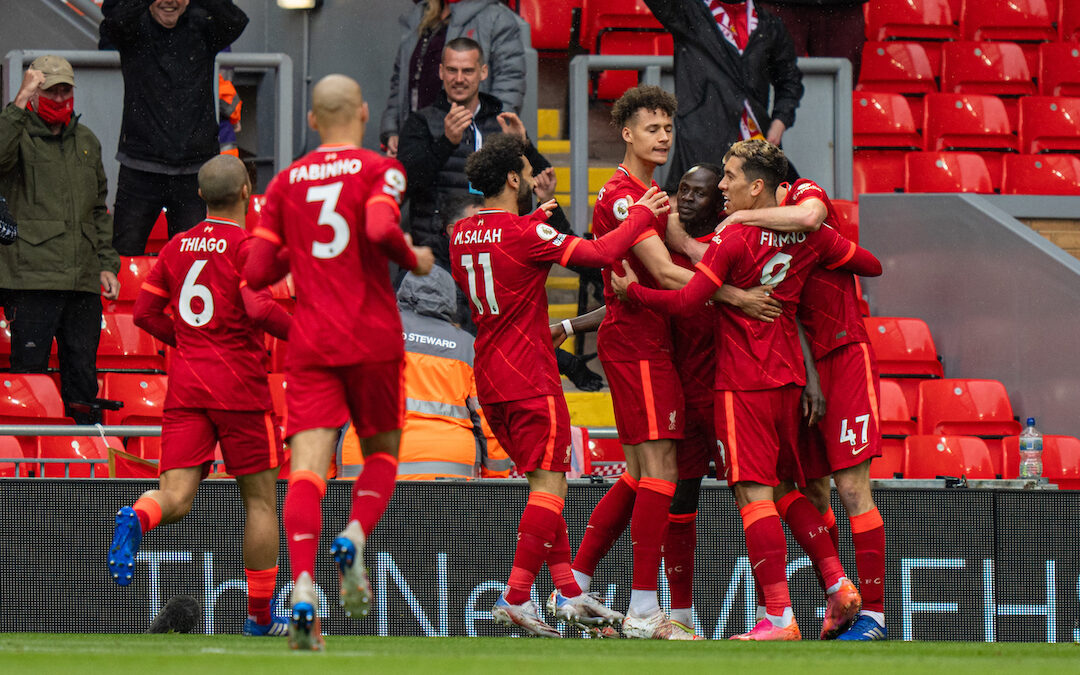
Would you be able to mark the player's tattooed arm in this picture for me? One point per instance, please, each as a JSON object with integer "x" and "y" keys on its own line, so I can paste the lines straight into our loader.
{"x": 813, "y": 399}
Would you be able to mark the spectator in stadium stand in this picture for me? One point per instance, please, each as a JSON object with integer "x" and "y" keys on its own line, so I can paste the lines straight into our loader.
{"x": 218, "y": 389}
{"x": 825, "y": 28}
{"x": 727, "y": 55}
{"x": 437, "y": 139}
{"x": 416, "y": 81}
{"x": 445, "y": 434}
{"x": 169, "y": 129}
{"x": 63, "y": 259}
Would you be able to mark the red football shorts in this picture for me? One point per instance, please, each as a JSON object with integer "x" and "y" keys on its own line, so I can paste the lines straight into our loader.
{"x": 372, "y": 394}
{"x": 850, "y": 432}
{"x": 694, "y": 451}
{"x": 757, "y": 434}
{"x": 249, "y": 440}
{"x": 535, "y": 432}
{"x": 648, "y": 400}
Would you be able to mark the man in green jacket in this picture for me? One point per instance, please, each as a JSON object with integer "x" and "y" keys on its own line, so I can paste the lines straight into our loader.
{"x": 63, "y": 259}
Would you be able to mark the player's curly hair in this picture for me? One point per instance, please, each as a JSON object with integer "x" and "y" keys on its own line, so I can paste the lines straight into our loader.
{"x": 645, "y": 97}
{"x": 486, "y": 168}
{"x": 761, "y": 159}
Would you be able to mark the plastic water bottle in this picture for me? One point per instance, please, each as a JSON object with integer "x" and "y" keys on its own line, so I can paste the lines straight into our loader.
{"x": 1030, "y": 451}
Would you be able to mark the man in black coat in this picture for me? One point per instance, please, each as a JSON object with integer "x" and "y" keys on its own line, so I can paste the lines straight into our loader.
{"x": 169, "y": 130}
{"x": 727, "y": 55}
{"x": 436, "y": 140}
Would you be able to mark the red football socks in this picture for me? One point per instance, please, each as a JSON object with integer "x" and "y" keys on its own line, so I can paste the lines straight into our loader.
{"x": 679, "y": 558}
{"x": 372, "y": 490}
{"x": 303, "y": 520}
{"x": 809, "y": 530}
{"x": 868, "y": 536}
{"x": 830, "y": 522}
{"x": 558, "y": 562}
{"x": 608, "y": 520}
{"x": 149, "y": 513}
{"x": 260, "y": 590}
{"x": 767, "y": 548}
{"x": 538, "y": 528}
{"x": 648, "y": 528}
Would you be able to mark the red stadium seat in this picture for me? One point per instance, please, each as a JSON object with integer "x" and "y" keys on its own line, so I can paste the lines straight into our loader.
{"x": 883, "y": 120}
{"x": 898, "y": 67}
{"x": 611, "y": 84}
{"x": 911, "y": 20}
{"x": 75, "y": 448}
{"x": 126, "y": 465}
{"x": 11, "y": 449}
{"x": 145, "y": 447}
{"x": 1060, "y": 460}
{"x": 896, "y": 425}
{"x": 254, "y": 213}
{"x": 848, "y": 212}
{"x": 278, "y": 349}
{"x": 968, "y": 407}
{"x": 159, "y": 236}
{"x": 550, "y": 22}
{"x": 943, "y": 455}
{"x": 996, "y": 68}
{"x": 878, "y": 171}
{"x": 903, "y": 346}
{"x": 890, "y": 463}
{"x": 1041, "y": 175}
{"x": 966, "y": 122}
{"x": 124, "y": 346}
{"x": 946, "y": 172}
{"x": 601, "y": 17}
{"x": 606, "y": 450}
{"x": 284, "y": 293}
{"x": 132, "y": 274}
{"x": 1009, "y": 20}
{"x": 30, "y": 399}
{"x": 1059, "y": 69}
{"x": 1069, "y": 23}
{"x": 143, "y": 396}
{"x": 1049, "y": 124}
{"x": 864, "y": 306}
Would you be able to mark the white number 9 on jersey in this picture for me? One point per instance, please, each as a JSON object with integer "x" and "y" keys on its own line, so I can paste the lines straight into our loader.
{"x": 774, "y": 271}
{"x": 328, "y": 215}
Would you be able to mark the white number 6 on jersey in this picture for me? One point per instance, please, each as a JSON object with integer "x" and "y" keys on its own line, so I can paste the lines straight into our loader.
{"x": 328, "y": 215}
{"x": 191, "y": 290}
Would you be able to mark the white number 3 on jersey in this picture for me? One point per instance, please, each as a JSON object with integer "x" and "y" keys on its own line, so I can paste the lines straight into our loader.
{"x": 328, "y": 215}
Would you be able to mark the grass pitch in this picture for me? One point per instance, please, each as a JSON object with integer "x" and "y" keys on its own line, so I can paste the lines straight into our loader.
{"x": 205, "y": 655}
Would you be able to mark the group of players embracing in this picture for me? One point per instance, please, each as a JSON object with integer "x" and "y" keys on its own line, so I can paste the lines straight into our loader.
{"x": 700, "y": 341}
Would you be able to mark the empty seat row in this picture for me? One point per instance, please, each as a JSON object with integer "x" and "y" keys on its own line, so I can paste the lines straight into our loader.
{"x": 1027, "y": 20}
{"x": 890, "y": 171}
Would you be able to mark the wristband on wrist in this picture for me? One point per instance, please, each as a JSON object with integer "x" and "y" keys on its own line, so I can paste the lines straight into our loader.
{"x": 567, "y": 327}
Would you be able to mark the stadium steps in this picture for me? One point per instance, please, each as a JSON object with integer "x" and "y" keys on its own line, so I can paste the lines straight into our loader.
{"x": 590, "y": 409}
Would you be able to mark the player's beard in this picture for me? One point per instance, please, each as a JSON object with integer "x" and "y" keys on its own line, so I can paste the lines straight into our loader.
{"x": 525, "y": 192}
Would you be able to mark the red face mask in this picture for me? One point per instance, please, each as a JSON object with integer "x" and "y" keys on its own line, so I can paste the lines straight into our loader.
{"x": 52, "y": 112}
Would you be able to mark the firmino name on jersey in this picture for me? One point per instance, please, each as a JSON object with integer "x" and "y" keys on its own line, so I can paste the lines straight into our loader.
{"x": 338, "y": 167}
{"x": 778, "y": 239}
{"x": 487, "y": 236}
{"x": 203, "y": 245}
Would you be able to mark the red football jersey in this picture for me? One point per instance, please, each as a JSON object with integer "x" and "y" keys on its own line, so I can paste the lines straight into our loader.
{"x": 629, "y": 332}
{"x": 752, "y": 354}
{"x": 694, "y": 346}
{"x": 346, "y": 312}
{"x": 829, "y": 306}
{"x": 220, "y": 360}
{"x": 501, "y": 261}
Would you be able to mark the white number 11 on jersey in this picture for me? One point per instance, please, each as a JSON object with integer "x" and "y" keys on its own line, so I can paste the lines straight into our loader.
{"x": 483, "y": 260}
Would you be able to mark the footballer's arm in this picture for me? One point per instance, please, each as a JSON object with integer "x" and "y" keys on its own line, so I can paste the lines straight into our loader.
{"x": 264, "y": 312}
{"x": 149, "y": 314}
{"x": 806, "y": 216}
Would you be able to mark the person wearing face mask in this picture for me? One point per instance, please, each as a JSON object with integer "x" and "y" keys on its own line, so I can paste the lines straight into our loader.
{"x": 63, "y": 259}
{"x": 169, "y": 130}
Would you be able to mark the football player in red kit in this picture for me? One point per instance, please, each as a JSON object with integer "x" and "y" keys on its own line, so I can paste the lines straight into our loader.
{"x": 501, "y": 260}
{"x": 332, "y": 218}
{"x": 218, "y": 390}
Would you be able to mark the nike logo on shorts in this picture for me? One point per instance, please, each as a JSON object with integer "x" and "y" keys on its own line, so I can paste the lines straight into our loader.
{"x": 857, "y": 451}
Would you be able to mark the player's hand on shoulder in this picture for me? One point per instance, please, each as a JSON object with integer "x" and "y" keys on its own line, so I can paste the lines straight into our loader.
{"x": 656, "y": 200}
{"x": 621, "y": 282}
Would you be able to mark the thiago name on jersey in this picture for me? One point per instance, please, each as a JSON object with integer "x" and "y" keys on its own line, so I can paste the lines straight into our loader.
{"x": 203, "y": 245}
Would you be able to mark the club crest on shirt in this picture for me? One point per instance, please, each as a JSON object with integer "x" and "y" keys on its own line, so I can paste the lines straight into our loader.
{"x": 395, "y": 183}
{"x": 546, "y": 232}
{"x": 621, "y": 208}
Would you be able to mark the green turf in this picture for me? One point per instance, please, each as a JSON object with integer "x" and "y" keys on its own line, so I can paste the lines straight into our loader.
{"x": 204, "y": 655}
